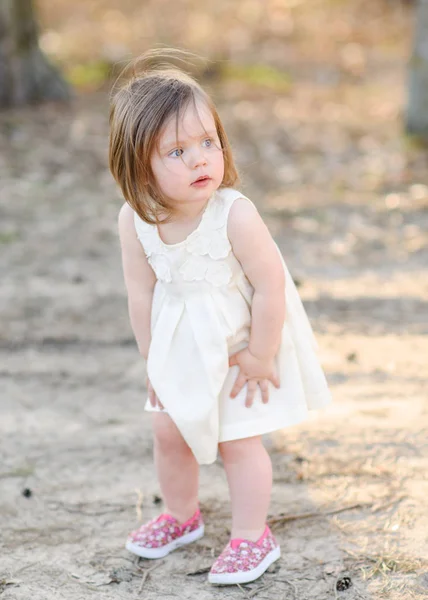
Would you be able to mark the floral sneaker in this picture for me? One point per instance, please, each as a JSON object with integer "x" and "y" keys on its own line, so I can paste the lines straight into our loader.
{"x": 243, "y": 561}
{"x": 162, "y": 535}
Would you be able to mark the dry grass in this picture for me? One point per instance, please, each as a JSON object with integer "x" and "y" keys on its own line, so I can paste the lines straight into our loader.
{"x": 388, "y": 564}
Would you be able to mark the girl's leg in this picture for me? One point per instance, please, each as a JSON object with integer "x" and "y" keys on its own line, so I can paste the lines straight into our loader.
{"x": 177, "y": 469}
{"x": 249, "y": 475}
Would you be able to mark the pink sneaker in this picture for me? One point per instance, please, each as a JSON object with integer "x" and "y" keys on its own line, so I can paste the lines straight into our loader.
{"x": 243, "y": 561}
{"x": 162, "y": 535}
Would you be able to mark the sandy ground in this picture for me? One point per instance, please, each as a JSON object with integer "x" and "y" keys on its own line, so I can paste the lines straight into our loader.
{"x": 351, "y": 484}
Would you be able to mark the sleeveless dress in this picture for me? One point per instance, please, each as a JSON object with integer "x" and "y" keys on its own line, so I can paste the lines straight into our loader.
{"x": 201, "y": 314}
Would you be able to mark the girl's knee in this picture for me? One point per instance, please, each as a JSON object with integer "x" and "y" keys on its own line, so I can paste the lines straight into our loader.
{"x": 236, "y": 449}
{"x": 167, "y": 436}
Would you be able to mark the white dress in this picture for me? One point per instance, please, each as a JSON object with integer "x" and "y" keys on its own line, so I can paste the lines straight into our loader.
{"x": 201, "y": 315}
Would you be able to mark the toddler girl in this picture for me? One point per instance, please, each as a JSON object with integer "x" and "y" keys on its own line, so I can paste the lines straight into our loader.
{"x": 230, "y": 352}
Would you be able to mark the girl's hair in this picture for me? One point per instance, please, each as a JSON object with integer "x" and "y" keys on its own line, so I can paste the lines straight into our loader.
{"x": 138, "y": 112}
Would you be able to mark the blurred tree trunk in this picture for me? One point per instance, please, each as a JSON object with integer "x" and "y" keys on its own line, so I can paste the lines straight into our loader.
{"x": 417, "y": 110}
{"x": 26, "y": 77}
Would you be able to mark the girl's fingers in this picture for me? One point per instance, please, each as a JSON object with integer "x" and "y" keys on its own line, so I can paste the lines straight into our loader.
{"x": 275, "y": 380}
{"x": 251, "y": 390}
{"x": 241, "y": 380}
{"x": 152, "y": 395}
{"x": 264, "y": 388}
{"x": 232, "y": 360}
{"x": 154, "y": 400}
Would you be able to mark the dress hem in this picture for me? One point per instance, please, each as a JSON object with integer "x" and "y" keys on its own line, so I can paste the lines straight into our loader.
{"x": 256, "y": 427}
{"x": 260, "y": 427}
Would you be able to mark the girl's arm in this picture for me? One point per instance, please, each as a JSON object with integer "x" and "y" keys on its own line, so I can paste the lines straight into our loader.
{"x": 255, "y": 249}
{"x": 139, "y": 280}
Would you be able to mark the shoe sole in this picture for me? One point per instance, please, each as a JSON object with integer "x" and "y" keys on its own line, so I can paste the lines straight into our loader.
{"x": 245, "y": 576}
{"x": 144, "y": 552}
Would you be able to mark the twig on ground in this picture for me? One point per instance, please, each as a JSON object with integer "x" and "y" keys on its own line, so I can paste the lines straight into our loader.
{"x": 378, "y": 507}
{"x": 80, "y": 581}
{"x": 286, "y": 518}
{"x": 261, "y": 588}
{"x": 199, "y": 572}
{"x": 242, "y": 590}
{"x": 335, "y": 588}
{"x": 146, "y": 574}
{"x": 290, "y": 583}
{"x": 26, "y": 567}
{"x": 77, "y": 509}
{"x": 351, "y": 553}
{"x": 139, "y": 504}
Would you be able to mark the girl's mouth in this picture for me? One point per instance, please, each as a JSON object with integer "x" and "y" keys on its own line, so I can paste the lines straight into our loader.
{"x": 202, "y": 181}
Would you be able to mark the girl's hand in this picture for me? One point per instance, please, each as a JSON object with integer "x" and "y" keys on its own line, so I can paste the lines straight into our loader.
{"x": 154, "y": 400}
{"x": 254, "y": 372}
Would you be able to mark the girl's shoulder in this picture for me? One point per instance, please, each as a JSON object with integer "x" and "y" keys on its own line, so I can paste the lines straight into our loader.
{"x": 125, "y": 219}
{"x": 233, "y": 202}
{"x": 224, "y": 203}
{"x": 244, "y": 222}
{"x": 125, "y": 213}
{"x": 236, "y": 204}
{"x": 228, "y": 195}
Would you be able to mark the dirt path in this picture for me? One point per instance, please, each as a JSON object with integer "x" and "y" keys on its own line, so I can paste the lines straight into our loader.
{"x": 72, "y": 427}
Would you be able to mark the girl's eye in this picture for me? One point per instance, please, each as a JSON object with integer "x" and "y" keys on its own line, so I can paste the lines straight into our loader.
{"x": 174, "y": 153}
{"x": 208, "y": 142}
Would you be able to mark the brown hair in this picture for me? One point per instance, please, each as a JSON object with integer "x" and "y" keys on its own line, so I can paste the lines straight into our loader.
{"x": 139, "y": 110}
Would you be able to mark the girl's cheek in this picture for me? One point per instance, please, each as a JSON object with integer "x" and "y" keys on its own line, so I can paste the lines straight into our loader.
{"x": 176, "y": 170}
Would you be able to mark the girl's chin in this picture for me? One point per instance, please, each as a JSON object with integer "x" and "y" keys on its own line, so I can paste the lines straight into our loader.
{"x": 196, "y": 194}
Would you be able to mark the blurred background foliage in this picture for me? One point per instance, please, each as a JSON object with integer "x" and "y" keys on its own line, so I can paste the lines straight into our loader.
{"x": 313, "y": 92}
{"x": 261, "y": 43}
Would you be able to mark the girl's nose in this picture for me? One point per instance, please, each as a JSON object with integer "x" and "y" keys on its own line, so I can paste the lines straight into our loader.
{"x": 199, "y": 160}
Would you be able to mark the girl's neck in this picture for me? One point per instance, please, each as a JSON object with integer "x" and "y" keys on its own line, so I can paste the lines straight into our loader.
{"x": 187, "y": 213}
{"x": 183, "y": 223}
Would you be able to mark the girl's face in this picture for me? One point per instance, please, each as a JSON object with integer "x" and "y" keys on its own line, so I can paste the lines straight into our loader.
{"x": 194, "y": 153}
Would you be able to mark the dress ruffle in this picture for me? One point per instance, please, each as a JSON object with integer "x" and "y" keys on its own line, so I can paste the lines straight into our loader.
{"x": 206, "y": 248}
